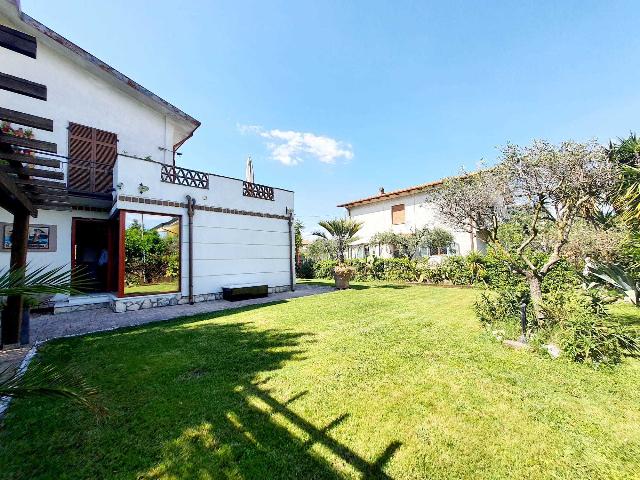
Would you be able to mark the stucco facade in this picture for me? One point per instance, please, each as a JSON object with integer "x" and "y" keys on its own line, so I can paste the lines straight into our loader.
{"x": 238, "y": 239}
{"x": 375, "y": 214}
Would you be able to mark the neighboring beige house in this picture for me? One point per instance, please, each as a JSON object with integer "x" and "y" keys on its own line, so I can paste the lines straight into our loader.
{"x": 401, "y": 211}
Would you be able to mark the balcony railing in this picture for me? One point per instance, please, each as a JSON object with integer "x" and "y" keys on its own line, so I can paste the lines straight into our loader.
{"x": 257, "y": 191}
{"x": 184, "y": 176}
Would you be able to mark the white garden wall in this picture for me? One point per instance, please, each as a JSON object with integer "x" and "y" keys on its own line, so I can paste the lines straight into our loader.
{"x": 241, "y": 248}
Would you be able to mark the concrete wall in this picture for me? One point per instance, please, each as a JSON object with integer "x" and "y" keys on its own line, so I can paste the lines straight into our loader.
{"x": 376, "y": 217}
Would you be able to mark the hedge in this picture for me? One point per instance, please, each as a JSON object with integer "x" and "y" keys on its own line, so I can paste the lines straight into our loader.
{"x": 471, "y": 269}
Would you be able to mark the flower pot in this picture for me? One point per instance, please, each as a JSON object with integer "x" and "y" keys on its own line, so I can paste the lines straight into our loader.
{"x": 342, "y": 281}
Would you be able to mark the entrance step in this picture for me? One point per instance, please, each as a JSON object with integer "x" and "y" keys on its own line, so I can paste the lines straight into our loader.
{"x": 82, "y": 302}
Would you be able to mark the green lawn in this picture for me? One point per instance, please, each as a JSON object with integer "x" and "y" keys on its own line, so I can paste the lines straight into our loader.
{"x": 146, "y": 289}
{"x": 383, "y": 381}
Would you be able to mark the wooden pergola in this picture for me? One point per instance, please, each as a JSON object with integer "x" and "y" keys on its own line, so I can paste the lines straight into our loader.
{"x": 28, "y": 179}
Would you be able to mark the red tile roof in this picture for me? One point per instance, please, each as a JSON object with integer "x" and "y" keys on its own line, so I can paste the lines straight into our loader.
{"x": 395, "y": 193}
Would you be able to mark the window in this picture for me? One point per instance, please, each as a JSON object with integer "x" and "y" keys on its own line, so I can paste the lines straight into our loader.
{"x": 397, "y": 214}
{"x": 92, "y": 154}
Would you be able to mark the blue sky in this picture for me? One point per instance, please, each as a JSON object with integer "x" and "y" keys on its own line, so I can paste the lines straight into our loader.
{"x": 335, "y": 99}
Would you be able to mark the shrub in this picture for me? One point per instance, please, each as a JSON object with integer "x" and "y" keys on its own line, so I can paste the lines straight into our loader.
{"x": 578, "y": 321}
{"x": 324, "y": 268}
{"x": 596, "y": 339}
{"x": 305, "y": 268}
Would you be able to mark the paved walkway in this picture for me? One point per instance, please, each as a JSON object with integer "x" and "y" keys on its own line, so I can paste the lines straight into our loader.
{"x": 47, "y": 327}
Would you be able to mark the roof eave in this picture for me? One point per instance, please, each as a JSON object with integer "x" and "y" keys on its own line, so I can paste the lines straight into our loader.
{"x": 59, "y": 39}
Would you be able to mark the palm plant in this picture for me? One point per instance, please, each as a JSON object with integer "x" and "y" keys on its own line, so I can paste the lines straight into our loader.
{"x": 42, "y": 379}
{"x": 40, "y": 281}
{"x": 341, "y": 231}
{"x": 45, "y": 380}
{"x": 617, "y": 278}
{"x": 626, "y": 153}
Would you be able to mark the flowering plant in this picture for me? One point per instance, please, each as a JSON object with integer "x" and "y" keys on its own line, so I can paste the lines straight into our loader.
{"x": 7, "y": 129}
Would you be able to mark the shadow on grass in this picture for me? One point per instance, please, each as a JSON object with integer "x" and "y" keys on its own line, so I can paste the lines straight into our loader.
{"x": 628, "y": 315}
{"x": 186, "y": 399}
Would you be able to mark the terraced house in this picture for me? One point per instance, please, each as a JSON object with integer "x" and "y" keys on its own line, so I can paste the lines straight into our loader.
{"x": 93, "y": 156}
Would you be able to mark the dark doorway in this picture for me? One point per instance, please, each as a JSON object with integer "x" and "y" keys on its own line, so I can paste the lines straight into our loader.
{"x": 91, "y": 254}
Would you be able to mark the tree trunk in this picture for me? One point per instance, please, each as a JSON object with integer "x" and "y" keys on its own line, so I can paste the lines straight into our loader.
{"x": 535, "y": 290}
{"x": 341, "y": 250}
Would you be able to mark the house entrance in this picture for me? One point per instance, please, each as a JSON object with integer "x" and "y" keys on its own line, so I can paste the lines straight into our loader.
{"x": 92, "y": 254}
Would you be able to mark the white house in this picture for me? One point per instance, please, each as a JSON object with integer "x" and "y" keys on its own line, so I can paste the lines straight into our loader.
{"x": 117, "y": 142}
{"x": 402, "y": 211}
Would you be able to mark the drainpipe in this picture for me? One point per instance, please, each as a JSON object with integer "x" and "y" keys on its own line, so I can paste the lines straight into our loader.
{"x": 291, "y": 265}
{"x": 191, "y": 203}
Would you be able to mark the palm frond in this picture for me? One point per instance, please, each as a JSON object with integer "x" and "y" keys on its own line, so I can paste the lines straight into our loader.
{"x": 46, "y": 380}
{"x": 41, "y": 280}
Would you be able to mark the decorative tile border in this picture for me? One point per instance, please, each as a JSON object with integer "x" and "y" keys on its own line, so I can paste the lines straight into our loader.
{"x": 205, "y": 208}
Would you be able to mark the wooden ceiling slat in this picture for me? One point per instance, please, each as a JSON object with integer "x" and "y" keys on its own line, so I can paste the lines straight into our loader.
{"x": 9, "y": 188}
{"x": 31, "y": 160}
{"x": 32, "y": 172}
{"x": 18, "y": 41}
{"x": 26, "y": 119}
{"x": 28, "y": 143}
{"x": 23, "y": 87}
{"x": 42, "y": 183}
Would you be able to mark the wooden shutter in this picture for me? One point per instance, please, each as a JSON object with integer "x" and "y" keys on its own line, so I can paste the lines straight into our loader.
{"x": 92, "y": 155}
{"x": 397, "y": 214}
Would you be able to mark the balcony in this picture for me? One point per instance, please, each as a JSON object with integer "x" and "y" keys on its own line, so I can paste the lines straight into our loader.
{"x": 184, "y": 176}
{"x": 256, "y": 190}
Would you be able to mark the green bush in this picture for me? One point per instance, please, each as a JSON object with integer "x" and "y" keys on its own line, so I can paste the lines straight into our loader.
{"x": 305, "y": 269}
{"x": 579, "y": 323}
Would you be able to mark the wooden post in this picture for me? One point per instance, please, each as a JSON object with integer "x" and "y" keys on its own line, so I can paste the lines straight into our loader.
{"x": 12, "y": 313}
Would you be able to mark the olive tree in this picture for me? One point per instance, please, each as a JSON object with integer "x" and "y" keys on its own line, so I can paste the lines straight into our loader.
{"x": 407, "y": 245}
{"x": 549, "y": 186}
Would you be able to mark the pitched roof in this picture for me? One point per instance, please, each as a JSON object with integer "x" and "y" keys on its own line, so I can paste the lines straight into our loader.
{"x": 100, "y": 67}
{"x": 396, "y": 193}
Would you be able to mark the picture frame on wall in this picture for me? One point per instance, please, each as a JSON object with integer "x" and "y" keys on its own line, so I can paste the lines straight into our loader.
{"x": 42, "y": 238}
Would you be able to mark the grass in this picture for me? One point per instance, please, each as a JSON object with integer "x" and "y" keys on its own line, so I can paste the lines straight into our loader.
{"x": 382, "y": 381}
{"x": 162, "y": 287}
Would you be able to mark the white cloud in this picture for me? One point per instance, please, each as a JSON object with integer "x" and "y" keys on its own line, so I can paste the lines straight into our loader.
{"x": 291, "y": 148}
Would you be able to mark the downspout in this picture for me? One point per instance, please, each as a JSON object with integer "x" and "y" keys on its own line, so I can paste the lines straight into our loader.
{"x": 291, "y": 267}
{"x": 191, "y": 203}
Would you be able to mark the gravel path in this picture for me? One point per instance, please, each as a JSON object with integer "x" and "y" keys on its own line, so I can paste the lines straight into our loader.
{"x": 46, "y": 327}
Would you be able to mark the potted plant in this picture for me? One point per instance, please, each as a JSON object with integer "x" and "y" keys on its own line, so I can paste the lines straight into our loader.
{"x": 342, "y": 273}
{"x": 341, "y": 232}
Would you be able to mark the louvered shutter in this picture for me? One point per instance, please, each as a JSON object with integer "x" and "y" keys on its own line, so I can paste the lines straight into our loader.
{"x": 92, "y": 155}
{"x": 397, "y": 214}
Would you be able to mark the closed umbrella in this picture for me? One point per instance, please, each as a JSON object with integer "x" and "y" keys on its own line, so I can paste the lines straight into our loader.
{"x": 249, "y": 171}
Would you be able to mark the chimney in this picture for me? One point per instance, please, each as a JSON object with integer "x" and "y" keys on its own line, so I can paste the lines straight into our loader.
{"x": 381, "y": 190}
